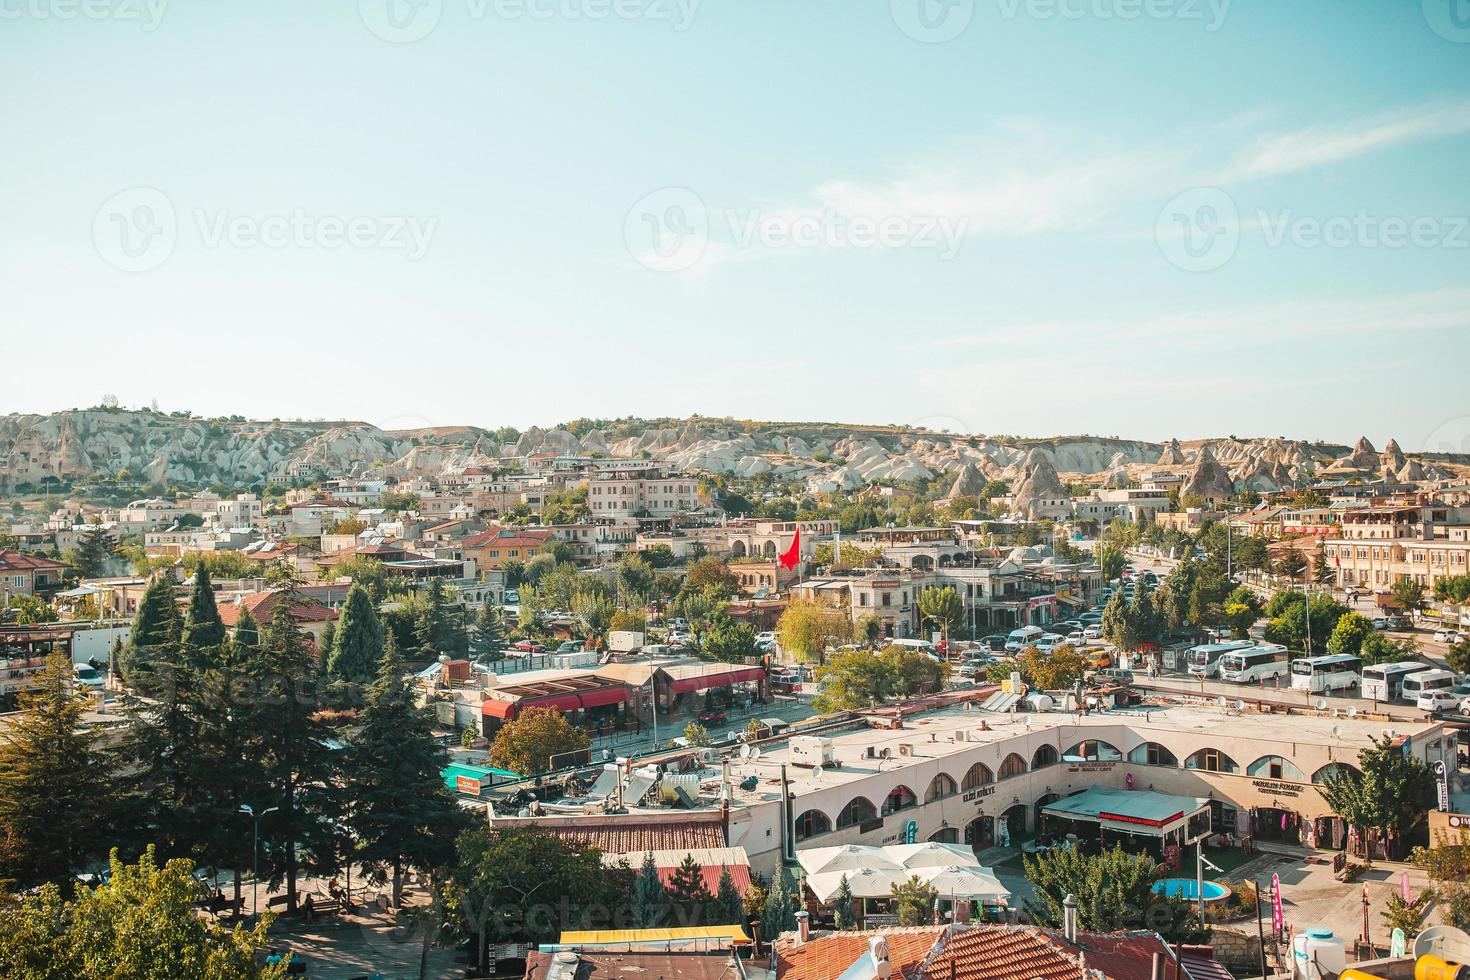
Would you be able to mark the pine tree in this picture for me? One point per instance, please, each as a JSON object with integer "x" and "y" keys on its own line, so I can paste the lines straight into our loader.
{"x": 155, "y": 624}
{"x": 779, "y": 915}
{"x": 203, "y": 629}
{"x": 357, "y": 649}
{"x": 688, "y": 895}
{"x": 438, "y": 630}
{"x": 843, "y": 916}
{"x": 55, "y": 783}
{"x": 489, "y": 638}
{"x": 399, "y": 810}
{"x": 289, "y": 742}
{"x": 94, "y": 549}
{"x": 247, "y": 631}
{"x": 726, "y": 909}
{"x": 650, "y": 901}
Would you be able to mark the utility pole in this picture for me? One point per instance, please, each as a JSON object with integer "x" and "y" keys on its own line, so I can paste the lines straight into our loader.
{"x": 255, "y": 854}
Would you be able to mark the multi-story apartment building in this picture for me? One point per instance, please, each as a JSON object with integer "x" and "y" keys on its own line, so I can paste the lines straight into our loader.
{"x": 649, "y": 491}
{"x": 1413, "y": 537}
{"x": 1133, "y": 504}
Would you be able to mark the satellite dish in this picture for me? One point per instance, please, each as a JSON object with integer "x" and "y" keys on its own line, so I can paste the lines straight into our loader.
{"x": 1026, "y": 720}
{"x": 1352, "y": 711}
{"x": 1220, "y": 701}
{"x": 816, "y": 774}
{"x": 1336, "y": 731}
{"x": 1239, "y": 705}
{"x": 1321, "y": 704}
{"x": 755, "y": 753}
{"x": 887, "y": 752}
{"x": 969, "y": 706}
{"x": 746, "y": 750}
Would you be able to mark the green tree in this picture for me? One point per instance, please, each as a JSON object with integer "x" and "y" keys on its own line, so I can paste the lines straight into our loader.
{"x": 726, "y": 909}
{"x": 689, "y": 899}
{"x": 399, "y": 811}
{"x": 942, "y": 607}
{"x": 156, "y": 623}
{"x": 843, "y": 914}
{"x": 1408, "y": 916}
{"x": 527, "y": 743}
{"x": 487, "y": 641}
{"x": 95, "y": 549}
{"x": 357, "y": 647}
{"x": 914, "y": 902}
{"x": 709, "y": 574}
{"x": 1348, "y": 635}
{"x": 1409, "y": 594}
{"x": 55, "y": 782}
{"x": 635, "y": 580}
{"x": 650, "y": 899}
{"x": 729, "y": 641}
{"x": 859, "y": 679}
{"x": 1111, "y": 560}
{"x": 1113, "y": 889}
{"x": 1323, "y": 573}
{"x": 1292, "y": 565}
{"x": 246, "y": 634}
{"x": 514, "y": 572}
{"x": 1242, "y": 609}
{"x": 290, "y": 744}
{"x": 805, "y": 628}
{"x": 1457, "y": 657}
{"x": 1447, "y": 861}
{"x": 203, "y": 630}
{"x": 1390, "y": 794}
{"x": 779, "y": 914}
{"x": 1118, "y": 625}
{"x": 1380, "y": 648}
{"x": 438, "y": 629}
{"x": 596, "y": 614}
{"x": 140, "y": 925}
{"x": 366, "y": 571}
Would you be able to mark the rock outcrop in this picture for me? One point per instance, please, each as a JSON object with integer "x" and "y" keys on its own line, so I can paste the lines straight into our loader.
{"x": 1208, "y": 479}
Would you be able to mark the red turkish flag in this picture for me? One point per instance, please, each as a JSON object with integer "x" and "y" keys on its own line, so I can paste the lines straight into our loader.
{"x": 793, "y": 553}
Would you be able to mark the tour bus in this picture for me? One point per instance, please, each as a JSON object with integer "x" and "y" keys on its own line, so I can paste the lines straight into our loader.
{"x": 1426, "y": 680}
{"x": 1204, "y": 660}
{"x": 1385, "y": 682}
{"x": 1255, "y": 664}
{"x": 1022, "y": 638}
{"x": 1319, "y": 674}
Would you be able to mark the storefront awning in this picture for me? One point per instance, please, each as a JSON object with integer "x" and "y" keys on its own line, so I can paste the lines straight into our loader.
{"x": 723, "y": 678}
{"x": 608, "y": 695}
{"x": 1134, "y": 811}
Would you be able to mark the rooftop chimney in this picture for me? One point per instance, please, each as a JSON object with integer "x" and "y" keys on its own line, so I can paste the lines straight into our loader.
{"x": 1069, "y": 918}
{"x": 803, "y": 926}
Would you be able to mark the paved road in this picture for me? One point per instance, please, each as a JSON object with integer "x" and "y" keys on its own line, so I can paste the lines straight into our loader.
{"x": 1250, "y": 693}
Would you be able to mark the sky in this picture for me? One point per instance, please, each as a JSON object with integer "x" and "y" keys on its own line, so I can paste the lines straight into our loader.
{"x": 1141, "y": 218}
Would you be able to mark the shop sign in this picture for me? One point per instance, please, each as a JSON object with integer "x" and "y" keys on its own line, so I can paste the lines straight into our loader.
{"x": 1272, "y": 787}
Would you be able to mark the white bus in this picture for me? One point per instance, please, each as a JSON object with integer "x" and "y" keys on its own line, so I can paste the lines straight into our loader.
{"x": 1318, "y": 674}
{"x": 1257, "y": 663}
{"x": 1204, "y": 660}
{"x": 1426, "y": 680}
{"x": 1385, "y": 682}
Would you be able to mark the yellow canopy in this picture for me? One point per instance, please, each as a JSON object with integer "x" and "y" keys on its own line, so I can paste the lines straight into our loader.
{"x": 608, "y": 937}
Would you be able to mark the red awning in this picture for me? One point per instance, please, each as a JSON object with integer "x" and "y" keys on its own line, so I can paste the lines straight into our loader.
{"x": 556, "y": 702}
{"x": 725, "y": 677}
{"x": 498, "y": 709}
{"x": 607, "y": 695}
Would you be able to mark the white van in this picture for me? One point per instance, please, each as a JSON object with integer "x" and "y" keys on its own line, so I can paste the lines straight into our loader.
{"x": 1385, "y": 682}
{"x": 923, "y": 646}
{"x": 1204, "y": 660}
{"x": 1022, "y": 638}
{"x": 1426, "y": 680}
{"x": 1255, "y": 664}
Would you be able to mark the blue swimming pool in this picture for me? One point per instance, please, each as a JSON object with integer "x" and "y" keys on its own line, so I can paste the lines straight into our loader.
{"x": 1184, "y": 888}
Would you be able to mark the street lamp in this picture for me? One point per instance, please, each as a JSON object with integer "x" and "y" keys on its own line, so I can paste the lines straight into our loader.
{"x": 255, "y": 853}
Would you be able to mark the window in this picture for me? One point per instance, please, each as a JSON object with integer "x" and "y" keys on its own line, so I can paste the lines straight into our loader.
{"x": 1013, "y": 765}
{"x": 978, "y": 775}
{"x": 1092, "y": 750}
{"x": 939, "y": 788}
{"x": 858, "y": 810}
{"x": 1045, "y": 756}
{"x": 1275, "y": 767}
{"x": 1211, "y": 760}
{"x": 899, "y": 798}
{"x": 1153, "y": 754}
{"x": 811, "y": 823}
{"x": 1331, "y": 770}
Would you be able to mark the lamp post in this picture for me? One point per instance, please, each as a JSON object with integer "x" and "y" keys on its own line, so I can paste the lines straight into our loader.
{"x": 255, "y": 854}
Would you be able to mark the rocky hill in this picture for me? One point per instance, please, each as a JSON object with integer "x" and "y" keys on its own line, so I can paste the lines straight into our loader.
{"x": 827, "y": 456}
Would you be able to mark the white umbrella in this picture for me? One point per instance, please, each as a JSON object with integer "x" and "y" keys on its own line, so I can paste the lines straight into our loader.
{"x": 971, "y": 883}
{"x": 932, "y": 855}
{"x": 845, "y": 857}
{"x": 865, "y": 883}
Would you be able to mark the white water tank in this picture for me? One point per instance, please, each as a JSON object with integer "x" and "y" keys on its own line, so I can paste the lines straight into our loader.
{"x": 1317, "y": 954}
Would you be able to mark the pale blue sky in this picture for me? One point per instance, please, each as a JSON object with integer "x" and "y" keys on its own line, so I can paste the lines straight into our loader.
{"x": 503, "y": 176}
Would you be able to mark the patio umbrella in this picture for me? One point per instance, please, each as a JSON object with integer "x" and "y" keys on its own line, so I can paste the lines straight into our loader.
{"x": 971, "y": 883}
{"x": 845, "y": 857}
{"x": 865, "y": 883}
{"x": 933, "y": 855}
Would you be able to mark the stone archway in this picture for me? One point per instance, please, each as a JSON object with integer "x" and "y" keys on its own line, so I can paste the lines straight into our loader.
{"x": 980, "y": 833}
{"x": 737, "y": 549}
{"x": 1015, "y": 818}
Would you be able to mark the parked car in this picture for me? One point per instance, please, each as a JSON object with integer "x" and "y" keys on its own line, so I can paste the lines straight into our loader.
{"x": 570, "y": 646}
{"x": 1111, "y": 675}
{"x": 678, "y": 623}
{"x": 1380, "y": 622}
{"x": 1437, "y": 700}
{"x": 968, "y": 669}
{"x": 995, "y": 642}
{"x": 679, "y": 636}
{"x": 1076, "y": 637}
{"x": 512, "y": 597}
{"x": 712, "y": 718}
{"x": 1093, "y": 632}
{"x": 89, "y": 677}
{"x": 765, "y": 636}
{"x": 529, "y": 646}
{"x": 1091, "y": 618}
{"x": 1449, "y": 636}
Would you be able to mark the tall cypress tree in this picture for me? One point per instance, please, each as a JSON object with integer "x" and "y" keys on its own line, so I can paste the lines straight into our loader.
{"x": 489, "y": 638}
{"x": 203, "y": 629}
{"x": 397, "y": 805}
{"x": 290, "y": 745}
{"x": 439, "y": 630}
{"x": 727, "y": 908}
{"x": 357, "y": 647}
{"x": 94, "y": 549}
{"x": 247, "y": 631}
{"x": 688, "y": 895}
{"x": 155, "y": 624}
{"x": 779, "y": 914}
{"x": 55, "y": 783}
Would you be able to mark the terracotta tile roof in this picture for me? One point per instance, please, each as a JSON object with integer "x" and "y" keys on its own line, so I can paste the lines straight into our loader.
{"x": 601, "y": 965}
{"x": 627, "y": 836}
{"x": 262, "y": 606}
{"x": 827, "y": 957}
{"x": 1029, "y": 953}
{"x": 19, "y": 561}
{"x": 519, "y": 537}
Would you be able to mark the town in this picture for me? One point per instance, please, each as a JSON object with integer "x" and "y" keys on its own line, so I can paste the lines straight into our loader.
{"x": 716, "y": 697}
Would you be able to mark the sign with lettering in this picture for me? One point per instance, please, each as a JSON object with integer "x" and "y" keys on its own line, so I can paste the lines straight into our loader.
{"x": 468, "y": 785}
{"x": 911, "y": 835}
{"x": 979, "y": 794}
{"x": 1404, "y": 887}
{"x": 1442, "y": 783}
{"x": 1091, "y": 766}
{"x": 1142, "y": 821}
{"x": 1274, "y": 787}
{"x": 1458, "y": 820}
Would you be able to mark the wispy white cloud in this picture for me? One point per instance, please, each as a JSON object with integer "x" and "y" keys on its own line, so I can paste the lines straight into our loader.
{"x": 1313, "y": 147}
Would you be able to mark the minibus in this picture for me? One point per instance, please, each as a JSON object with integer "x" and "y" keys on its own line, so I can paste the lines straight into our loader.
{"x": 1338, "y": 672}
{"x": 1204, "y": 660}
{"x": 1255, "y": 664}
